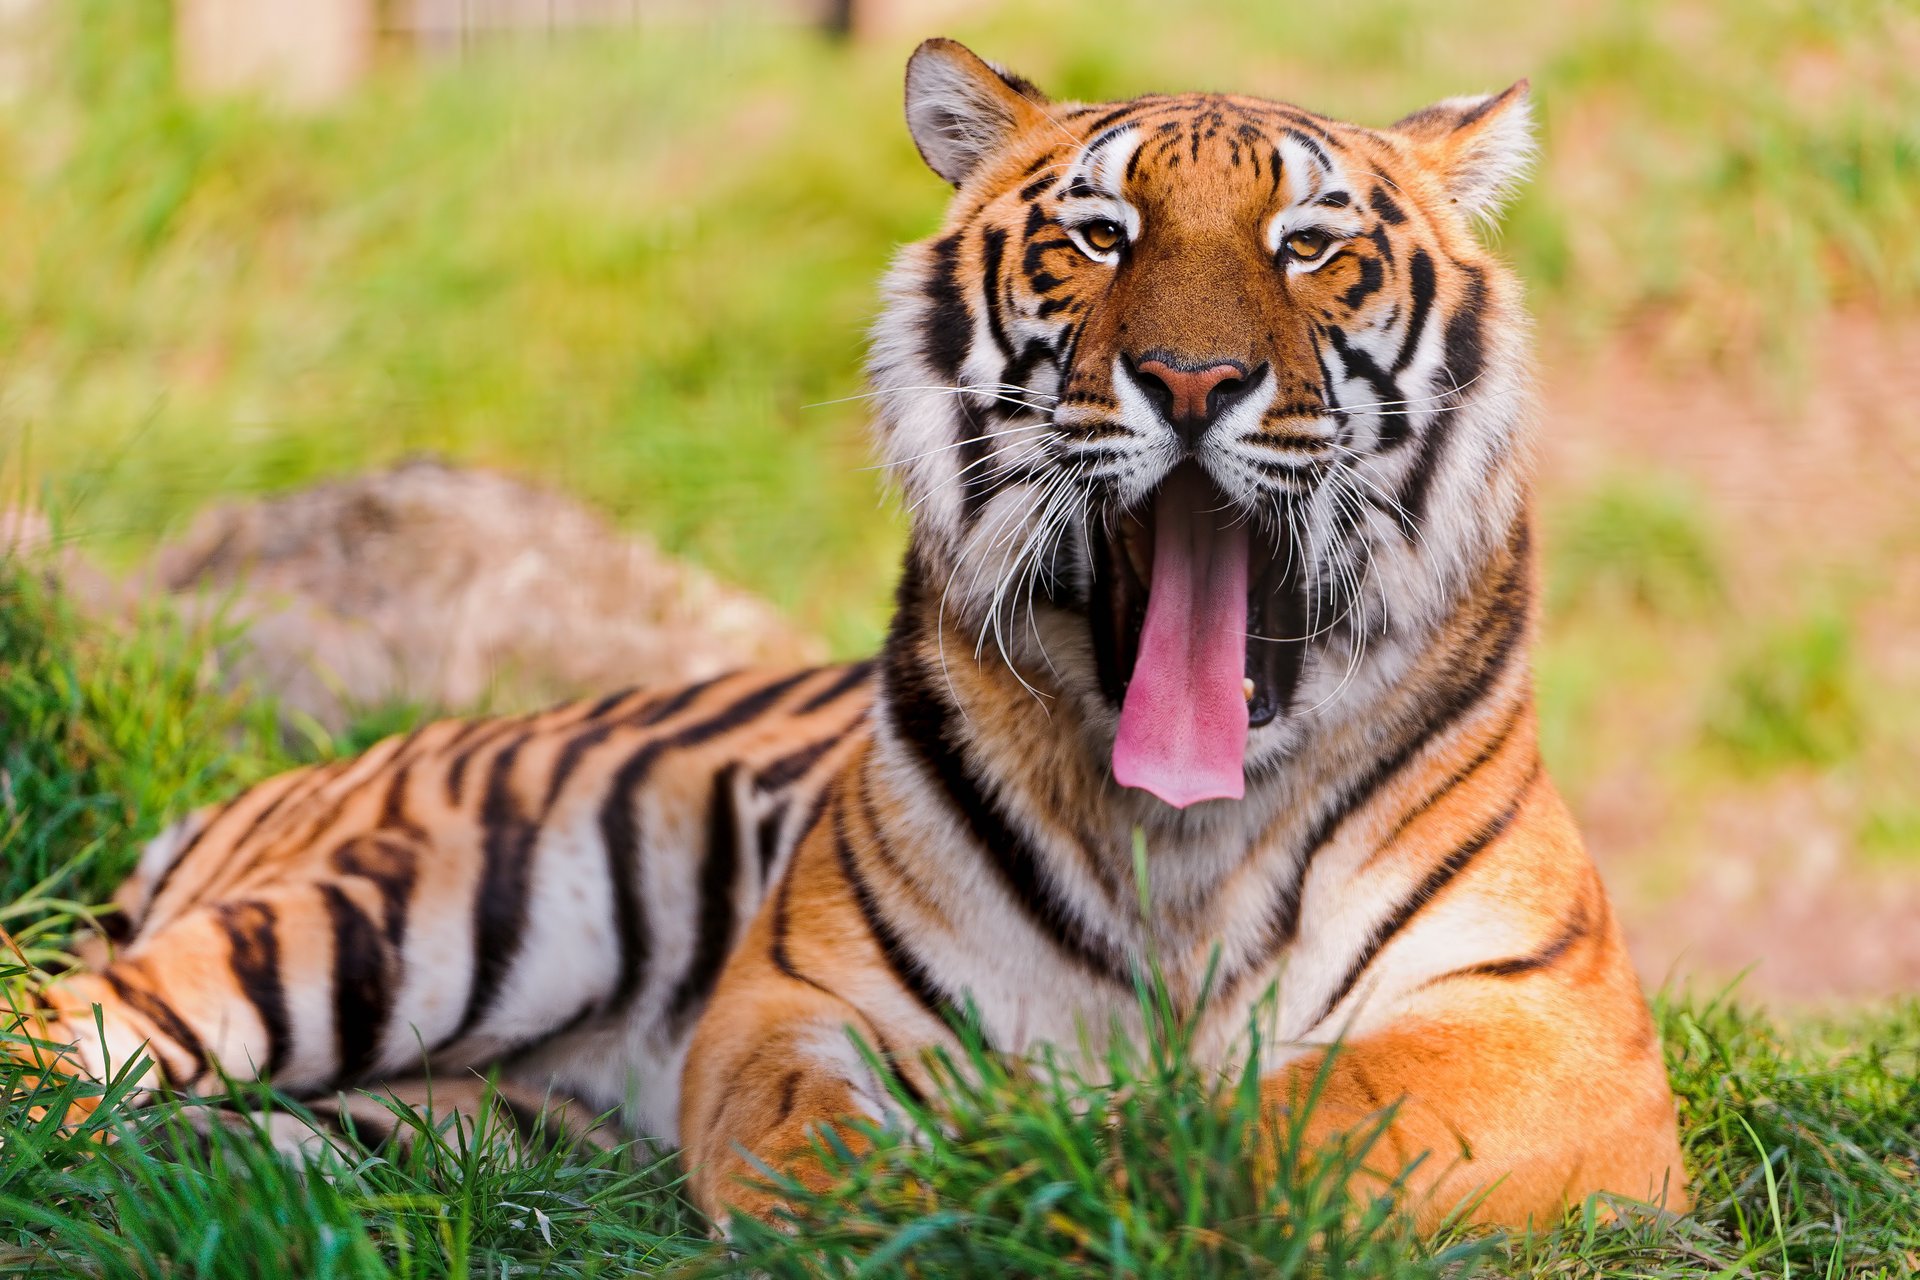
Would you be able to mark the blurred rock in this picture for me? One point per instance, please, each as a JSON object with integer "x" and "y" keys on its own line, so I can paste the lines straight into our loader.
{"x": 455, "y": 589}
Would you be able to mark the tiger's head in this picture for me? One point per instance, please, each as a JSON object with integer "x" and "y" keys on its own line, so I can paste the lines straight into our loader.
{"x": 1206, "y": 408}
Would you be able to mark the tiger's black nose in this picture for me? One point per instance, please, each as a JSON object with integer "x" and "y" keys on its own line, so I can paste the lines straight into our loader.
{"x": 1191, "y": 398}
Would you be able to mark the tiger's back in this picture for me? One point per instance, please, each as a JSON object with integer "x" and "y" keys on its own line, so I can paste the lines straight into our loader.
{"x": 555, "y": 892}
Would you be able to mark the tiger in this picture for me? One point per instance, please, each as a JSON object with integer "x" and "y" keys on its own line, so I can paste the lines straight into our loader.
{"x": 1212, "y": 419}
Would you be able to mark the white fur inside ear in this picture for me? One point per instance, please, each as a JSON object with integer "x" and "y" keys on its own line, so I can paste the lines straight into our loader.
{"x": 1496, "y": 160}
{"x": 959, "y": 111}
{"x": 1482, "y": 145}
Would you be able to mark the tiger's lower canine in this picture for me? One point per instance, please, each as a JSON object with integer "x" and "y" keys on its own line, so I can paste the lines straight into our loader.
{"x": 1213, "y": 419}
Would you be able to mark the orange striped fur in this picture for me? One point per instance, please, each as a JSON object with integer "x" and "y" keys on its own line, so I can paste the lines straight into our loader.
{"x": 676, "y": 903}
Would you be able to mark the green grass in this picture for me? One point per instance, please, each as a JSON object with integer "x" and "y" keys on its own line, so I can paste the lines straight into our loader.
{"x": 639, "y": 266}
{"x": 1802, "y": 1137}
{"x": 1639, "y": 542}
{"x": 1795, "y": 696}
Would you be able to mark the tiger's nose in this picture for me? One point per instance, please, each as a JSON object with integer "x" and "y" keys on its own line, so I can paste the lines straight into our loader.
{"x": 1191, "y": 398}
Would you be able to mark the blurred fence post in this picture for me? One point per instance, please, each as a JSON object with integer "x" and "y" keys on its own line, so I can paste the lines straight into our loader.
{"x": 300, "y": 53}
{"x": 17, "y": 46}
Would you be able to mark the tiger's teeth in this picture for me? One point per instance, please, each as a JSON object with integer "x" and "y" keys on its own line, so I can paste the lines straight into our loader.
{"x": 1246, "y": 687}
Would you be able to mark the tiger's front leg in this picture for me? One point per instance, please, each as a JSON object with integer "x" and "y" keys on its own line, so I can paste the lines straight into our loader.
{"x": 1496, "y": 1104}
{"x": 773, "y": 1062}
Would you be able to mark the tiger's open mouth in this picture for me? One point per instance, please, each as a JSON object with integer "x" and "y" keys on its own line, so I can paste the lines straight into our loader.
{"x": 1198, "y": 625}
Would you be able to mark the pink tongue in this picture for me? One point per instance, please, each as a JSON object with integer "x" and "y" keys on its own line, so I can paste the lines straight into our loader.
{"x": 1183, "y": 726}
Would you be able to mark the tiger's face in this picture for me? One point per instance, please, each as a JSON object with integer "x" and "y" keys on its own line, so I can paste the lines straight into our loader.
{"x": 1204, "y": 406}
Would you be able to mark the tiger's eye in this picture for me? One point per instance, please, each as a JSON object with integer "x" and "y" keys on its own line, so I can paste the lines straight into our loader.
{"x": 1103, "y": 236}
{"x": 1305, "y": 246}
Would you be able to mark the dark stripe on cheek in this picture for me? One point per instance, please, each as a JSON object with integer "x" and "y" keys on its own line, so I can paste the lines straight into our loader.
{"x": 362, "y": 998}
{"x": 1371, "y": 276}
{"x": 254, "y": 950}
{"x": 1421, "y": 281}
{"x": 993, "y": 253}
{"x": 1464, "y": 356}
{"x": 948, "y": 324}
{"x": 1464, "y": 345}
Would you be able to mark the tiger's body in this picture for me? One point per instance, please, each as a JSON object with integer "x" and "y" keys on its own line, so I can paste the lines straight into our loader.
{"x": 307, "y": 931}
{"x": 1213, "y": 419}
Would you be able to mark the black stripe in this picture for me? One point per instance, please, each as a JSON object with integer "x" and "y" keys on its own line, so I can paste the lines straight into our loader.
{"x": 718, "y": 871}
{"x": 1457, "y": 777}
{"x": 255, "y": 947}
{"x": 623, "y": 840}
{"x": 1429, "y": 888}
{"x": 656, "y": 709}
{"x": 1421, "y": 281}
{"x": 500, "y": 898}
{"x": 1360, "y": 365}
{"x": 457, "y": 771}
{"x": 394, "y": 815}
{"x": 1507, "y": 609}
{"x": 1465, "y": 358}
{"x": 1575, "y": 930}
{"x": 609, "y": 702}
{"x": 891, "y": 1057}
{"x": 362, "y": 999}
{"x": 947, "y": 323}
{"x": 166, "y": 1020}
{"x": 1390, "y": 213}
{"x": 1313, "y": 147}
{"x": 389, "y": 863}
{"x": 766, "y": 839}
{"x": 907, "y": 968}
{"x": 1112, "y": 118}
{"x": 922, "y": 718}
{"x": 851, "y": 678}
{"x": 193, "y": 842}
{"x": 1465, "y": 346}
{"x": 789, "y": 1096}
{"x": 319, "y": 776}
{"x": 993, "y": 246}
{"x": 1372, "y": 274}
{"x": 782, "y": 772}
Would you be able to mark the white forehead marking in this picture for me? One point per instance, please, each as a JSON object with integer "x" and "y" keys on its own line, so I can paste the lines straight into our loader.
{"x": 1103, "y": 167}
{"x": 1305, "y": 175}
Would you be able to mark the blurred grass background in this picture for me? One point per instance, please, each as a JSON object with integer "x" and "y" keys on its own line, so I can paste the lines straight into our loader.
{"x": 639, "y": 265}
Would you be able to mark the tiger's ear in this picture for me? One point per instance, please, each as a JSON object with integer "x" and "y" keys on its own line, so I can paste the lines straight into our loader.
{"x": 1481, "y": 147}
{"x": 961, "y": 109}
